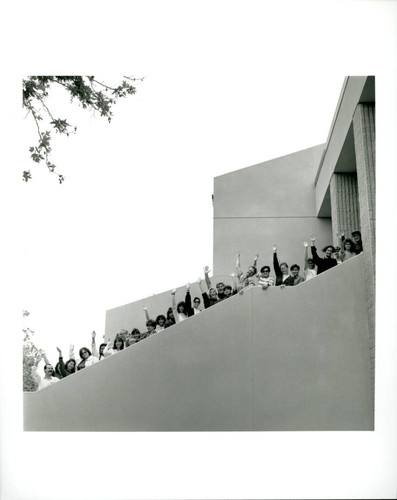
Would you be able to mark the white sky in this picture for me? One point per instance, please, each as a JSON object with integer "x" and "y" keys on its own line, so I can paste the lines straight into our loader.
{"x": 227, "y": 85}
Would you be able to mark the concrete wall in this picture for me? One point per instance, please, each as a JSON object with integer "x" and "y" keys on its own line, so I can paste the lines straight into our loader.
{"x": 351, "y": 93}
{"x": 284, "y": 359}
{"x": 273, "y": 202}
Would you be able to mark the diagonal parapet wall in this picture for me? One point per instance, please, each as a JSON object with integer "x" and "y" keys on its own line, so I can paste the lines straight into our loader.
{"x": 282, "y": 359}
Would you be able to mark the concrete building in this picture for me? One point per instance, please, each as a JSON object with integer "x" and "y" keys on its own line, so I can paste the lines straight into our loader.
{"x": 294, "y": 358}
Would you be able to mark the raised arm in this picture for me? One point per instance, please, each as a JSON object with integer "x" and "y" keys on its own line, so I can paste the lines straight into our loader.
{"x": 207, "y": 278}
{"x": 46, "y": 360}
{"x": 173, "y": 305}
{"x": 276, "y": 265}
{"x": 203, "y": 294}
{"x": 235, "y": 283}
{"x": 239, "y": 272}
{"x": 188, "y": 301}
{"x": 61, "y": 363}
{"x": 313, "y": 249}
{"x": 146, "y": 313}
{"x": 255, "y": 260}
{"x": 306, "y": 265}
{"x": 93, "y": 345}
{"x": 107, "y": 349}
{"x": 71, "y": 352}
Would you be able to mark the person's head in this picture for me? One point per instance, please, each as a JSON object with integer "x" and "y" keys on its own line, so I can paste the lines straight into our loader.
{"x": 181, "y": 307}
{"x": 101, "y": 349}
{"x": 70, "y": 365}
{"x": 295, "y": 270}
{"x": 135, "y": 333}
{"x": 328, "y": 250}
{"x": 227, "y": 291}
{"x": 118, "y": 343}
{"x": 48, "y": 370}
{"x": 170, "y": 315}
{"x": 348, "y": 245}
{"x": 150, "y": 325}
{"x": 310, "y": 264}
{"x": 356, "y": 235}
{"x": 196, "y": 302}
{"x": 212, "y": 294}
{"x": 251, "y": 271}
{"x": 220, "y": 287}
{"x": 284, "y": 268}
{"x": 265, "y": 271}
{"x": 84, "y": 353}
{"x": 160, "y": 320}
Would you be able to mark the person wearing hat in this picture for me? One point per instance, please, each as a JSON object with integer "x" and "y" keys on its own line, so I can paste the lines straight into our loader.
{"x": 309, "y": 269}
{"x": 323, "y": 264}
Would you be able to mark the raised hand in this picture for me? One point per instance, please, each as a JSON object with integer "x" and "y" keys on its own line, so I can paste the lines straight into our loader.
{"x": 59, "y": 351}
{"x": 274, "y": 248}
{"x": 312, "y": 239}
{"x": 93, "y": 335}
{"x": 206, "y": 269}
{"x": 305, "y": 244}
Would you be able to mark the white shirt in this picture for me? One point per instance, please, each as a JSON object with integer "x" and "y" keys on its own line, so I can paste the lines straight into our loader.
{"x": 42, "y": 381}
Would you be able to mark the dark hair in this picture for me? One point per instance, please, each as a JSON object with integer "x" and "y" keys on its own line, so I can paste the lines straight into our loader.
{"x": 74, "y": 365}
{"x": 220, "y": 283}
{"x": 329, "y": 246}
{"x": 183, "y": 305}
{"x": 151, "y": 322}
{"x": 347, "y": 240}
{"x": 48, "y": 364}
{"x": 283, "y": 264}
{"x": 85, "y": 349}
{"x": 295, "y": 266}
{"x": 135, "y": 331}
{"x": 170, "y": 318}
{"x": 159, "y": 317}
{"x": 197, "y": 298}
{"x": 265, "y": 268}
{"x": 122, "y": 342}
{"x": 356, "y": 232}
{"x": 254, "y": 268}
{"x": 228, "y": 287}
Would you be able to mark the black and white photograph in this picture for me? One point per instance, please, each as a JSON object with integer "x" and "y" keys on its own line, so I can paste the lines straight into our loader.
{"x": 197, "y": 203}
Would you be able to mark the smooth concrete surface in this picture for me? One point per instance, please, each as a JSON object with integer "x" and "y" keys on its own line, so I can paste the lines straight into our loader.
{"x": 312, "y": 366}
{"x": 281, "y": 187}
{"x": 355, "y": 89}
{"x": 266, "y": 204}
{"x": 281, "y": 359}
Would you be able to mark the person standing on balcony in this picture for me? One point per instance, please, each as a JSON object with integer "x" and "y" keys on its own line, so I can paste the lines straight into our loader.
{"x": 118, "y": 345}
{"x": 179, "y": 311}
{"x": 247, "y": 278}
{"x": 220, "y": 287}
{"x": 309, "y": 269}
{"x": 346, "y": 246}
{"x": 48, "y": 378}
{"x": 264, "y": 278}
{"x": 295, "y": 274}
{"x": 87, "y": 358}
{"x": 323, "y": 264}
{"x": 283, "y": 278}
{"x": 210, "y": 298}
{"x": 66, "y": 369}
{"x": 160, "y": 320}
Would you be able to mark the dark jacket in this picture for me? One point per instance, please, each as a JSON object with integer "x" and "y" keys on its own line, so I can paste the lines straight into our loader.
{"x": 279, "y": 275}
{"x": 322, "y": 264}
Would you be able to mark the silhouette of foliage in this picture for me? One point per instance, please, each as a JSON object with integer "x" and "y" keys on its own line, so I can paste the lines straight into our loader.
{"x": 87, "y": 90}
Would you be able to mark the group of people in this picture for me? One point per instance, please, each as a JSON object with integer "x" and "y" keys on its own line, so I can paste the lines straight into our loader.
{"x": 177, "y": 312}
